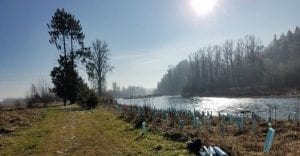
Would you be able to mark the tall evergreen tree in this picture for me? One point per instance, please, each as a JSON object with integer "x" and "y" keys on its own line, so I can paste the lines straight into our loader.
{"x": 65, "y": 80}
{"x": 66, "y": 34}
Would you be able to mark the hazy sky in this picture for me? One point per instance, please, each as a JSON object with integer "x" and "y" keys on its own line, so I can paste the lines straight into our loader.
{"x": 145, "y": 36}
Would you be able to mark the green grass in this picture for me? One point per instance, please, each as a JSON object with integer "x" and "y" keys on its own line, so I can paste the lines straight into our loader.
{"x": 82, "y": 132}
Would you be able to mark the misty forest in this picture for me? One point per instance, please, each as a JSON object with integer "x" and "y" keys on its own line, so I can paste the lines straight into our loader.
{"x": 237, "y": 67}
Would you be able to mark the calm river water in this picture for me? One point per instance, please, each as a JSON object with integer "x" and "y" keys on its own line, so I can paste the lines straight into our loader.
{"x": 220, "y": 104}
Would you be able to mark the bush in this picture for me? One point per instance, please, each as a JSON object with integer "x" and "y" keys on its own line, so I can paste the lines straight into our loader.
{"x": 88, "y": 101}
{"x": 86, "y": 98}
{"x": 39, "y": 94}
{"x": 92, "y": 101}
{"x": 32, "y": 100}
{"x": 19, "y": 104}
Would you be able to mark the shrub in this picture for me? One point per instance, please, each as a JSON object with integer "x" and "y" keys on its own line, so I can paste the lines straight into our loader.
{"x": 39, "y": 94}
{"x": 92, "y": 101}
{"x": 19, "y": 104}
{"x": 86, "y": 98}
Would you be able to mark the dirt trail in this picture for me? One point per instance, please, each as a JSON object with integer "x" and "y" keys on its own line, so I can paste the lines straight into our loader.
{"x": 80, "y": 132}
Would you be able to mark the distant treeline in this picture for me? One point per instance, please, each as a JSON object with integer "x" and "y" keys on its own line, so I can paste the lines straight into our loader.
{"x": 244, "y": 63}
{"x": 38, "y": 95}
{"x": 129, "y": 92}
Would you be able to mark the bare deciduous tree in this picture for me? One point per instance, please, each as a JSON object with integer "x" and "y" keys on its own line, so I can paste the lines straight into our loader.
{"x": 97, "y": 63}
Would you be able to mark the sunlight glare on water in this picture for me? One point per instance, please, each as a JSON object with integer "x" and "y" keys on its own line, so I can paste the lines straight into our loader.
{"x": 218, "y": 104}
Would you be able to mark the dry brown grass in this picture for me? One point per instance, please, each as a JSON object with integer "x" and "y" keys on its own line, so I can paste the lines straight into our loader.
{"x": 233, "y": 141}
{"x": 12, "y": 118}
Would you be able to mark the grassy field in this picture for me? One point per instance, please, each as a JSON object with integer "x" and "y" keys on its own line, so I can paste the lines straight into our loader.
{"x": 73, "y": 131}
{"x": 105, "y": 131}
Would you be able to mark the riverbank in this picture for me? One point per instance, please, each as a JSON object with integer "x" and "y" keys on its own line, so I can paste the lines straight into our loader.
{"x": 217, "y": 131}
{"x": 73, "y": 131}
{"x": 247, "y": 92}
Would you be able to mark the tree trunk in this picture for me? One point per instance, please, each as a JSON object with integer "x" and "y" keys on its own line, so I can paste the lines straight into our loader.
{"x": 65, "y": 60}
{"x": 72, "y": 53}
{"x": 99, "y": 88}
{"x": 65, "y": 51}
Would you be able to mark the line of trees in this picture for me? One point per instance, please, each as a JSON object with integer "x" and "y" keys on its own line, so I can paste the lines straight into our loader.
{"x": 66, "y": 34}
{"x": 282, "y": 61}
{"x": 129, "y": 92}
{"x": 244, "y": 63}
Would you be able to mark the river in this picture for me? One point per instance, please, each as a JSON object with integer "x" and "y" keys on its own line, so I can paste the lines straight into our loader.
{"x": 224, "y": 105}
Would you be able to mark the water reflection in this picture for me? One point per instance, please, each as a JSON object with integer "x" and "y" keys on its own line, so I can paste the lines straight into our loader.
{"x": 219, "y": 104}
